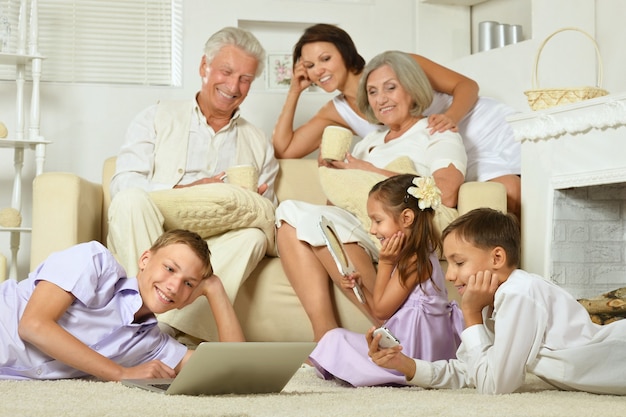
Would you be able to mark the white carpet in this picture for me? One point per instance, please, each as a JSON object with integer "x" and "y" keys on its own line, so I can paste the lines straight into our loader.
{"x": 305, "y": 395}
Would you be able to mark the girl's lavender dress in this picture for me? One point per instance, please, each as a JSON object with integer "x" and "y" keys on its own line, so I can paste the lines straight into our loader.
{"x": 427, "y": 325}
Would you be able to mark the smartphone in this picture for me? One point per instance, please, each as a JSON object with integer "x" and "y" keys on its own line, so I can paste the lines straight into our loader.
{"x": 388, "y": 339}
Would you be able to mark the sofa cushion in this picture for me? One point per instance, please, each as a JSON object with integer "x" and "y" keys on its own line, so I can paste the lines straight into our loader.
{"x": 211, "y": 209}
{"x": 349, "y": 189}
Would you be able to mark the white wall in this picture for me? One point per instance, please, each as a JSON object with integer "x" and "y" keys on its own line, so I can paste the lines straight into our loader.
{"x": 567, "y": 60}
{"x": 87, "y": 122}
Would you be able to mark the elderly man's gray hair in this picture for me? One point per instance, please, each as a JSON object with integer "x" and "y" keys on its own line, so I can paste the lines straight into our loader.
{"x": 241, "y": 38}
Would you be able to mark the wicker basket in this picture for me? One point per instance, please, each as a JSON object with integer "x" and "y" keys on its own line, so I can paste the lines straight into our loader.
{"x": 544, "y": 98}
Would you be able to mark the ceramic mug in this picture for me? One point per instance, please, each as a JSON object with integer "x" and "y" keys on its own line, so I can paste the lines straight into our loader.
{"x": 245, "y": 176}
{"x": 336, "y": 143}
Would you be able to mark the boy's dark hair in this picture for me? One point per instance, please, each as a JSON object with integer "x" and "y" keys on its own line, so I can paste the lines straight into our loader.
{"x": 487, "y": 228}
{"x": 193, "y": 241}
{"x": 324, "y": 32}
{"x": 424, "y": 238}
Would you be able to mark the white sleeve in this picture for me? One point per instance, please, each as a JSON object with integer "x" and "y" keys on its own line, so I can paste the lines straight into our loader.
{"x": 446, "y": 148}
{"x": 497, "y": 365}
{"x": 135, "y": 162}
{"x": 268, "y": 172}
{"x": 448, "y": 374}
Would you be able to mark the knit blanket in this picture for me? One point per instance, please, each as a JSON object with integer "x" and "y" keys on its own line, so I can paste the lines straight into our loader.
{"x": 212, "y": 209}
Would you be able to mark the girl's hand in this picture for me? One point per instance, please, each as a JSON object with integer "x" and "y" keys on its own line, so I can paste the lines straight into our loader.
{"x": 390, "y": 358}
{"x": 391, "y": 248}
{"x": 349, "y": 281}
{"x": 440, "y": 123}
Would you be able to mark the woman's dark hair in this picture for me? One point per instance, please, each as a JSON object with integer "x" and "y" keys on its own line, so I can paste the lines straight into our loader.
{"x": 324, "y": 32}
{"x": 424, "y": 237}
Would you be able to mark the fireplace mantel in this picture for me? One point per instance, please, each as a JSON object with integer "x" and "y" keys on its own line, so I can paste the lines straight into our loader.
{"x": 575, "y": 145}
{"x": 572, "y": 119}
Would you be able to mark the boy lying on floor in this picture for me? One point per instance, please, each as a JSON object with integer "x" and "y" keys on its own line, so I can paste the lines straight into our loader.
{"x": 515, "y": 322}
{"x": 79, "y": 315}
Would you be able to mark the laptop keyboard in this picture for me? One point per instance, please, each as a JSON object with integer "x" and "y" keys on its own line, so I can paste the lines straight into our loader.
{"x": 163, "y": 387}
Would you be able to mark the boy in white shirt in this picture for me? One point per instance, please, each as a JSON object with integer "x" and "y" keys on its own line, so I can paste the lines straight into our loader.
{"x": 516, "y": 322}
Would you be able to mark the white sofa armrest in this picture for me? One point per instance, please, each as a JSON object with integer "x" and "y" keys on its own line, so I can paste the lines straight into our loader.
{"x": 67, "y": 210}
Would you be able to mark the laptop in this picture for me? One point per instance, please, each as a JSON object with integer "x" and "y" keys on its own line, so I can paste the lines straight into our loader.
{"x": 338, "y": 252}
{"x": 217, "y": 368}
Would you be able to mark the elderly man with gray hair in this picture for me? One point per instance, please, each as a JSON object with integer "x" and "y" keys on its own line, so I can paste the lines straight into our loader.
{"x": 190, "y": 143}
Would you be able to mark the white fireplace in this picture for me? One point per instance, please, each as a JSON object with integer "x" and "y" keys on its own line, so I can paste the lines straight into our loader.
{"x": 574, "y": 194}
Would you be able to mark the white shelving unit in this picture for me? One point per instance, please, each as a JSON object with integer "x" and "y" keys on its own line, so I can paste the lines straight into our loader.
{"x": 24, "y": 137}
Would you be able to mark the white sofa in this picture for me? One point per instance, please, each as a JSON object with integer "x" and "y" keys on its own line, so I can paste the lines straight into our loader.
{"x": 68, "y": 210}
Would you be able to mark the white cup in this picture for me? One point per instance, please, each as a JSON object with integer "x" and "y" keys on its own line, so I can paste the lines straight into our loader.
{"x": 245, "y": 176}
{"x": 336, "y": 143}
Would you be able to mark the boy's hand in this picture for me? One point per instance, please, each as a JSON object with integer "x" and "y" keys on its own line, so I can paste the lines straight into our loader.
{"x": 205, "y": 287}
{"x": 152, "y": 369}
{"x": 390, "y": 358}
{"x": 228, "y": 326}
{"x": 479, "y": 293}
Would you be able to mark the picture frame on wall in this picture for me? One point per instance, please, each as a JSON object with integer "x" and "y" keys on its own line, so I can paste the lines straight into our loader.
{"x": 279, "y": 70}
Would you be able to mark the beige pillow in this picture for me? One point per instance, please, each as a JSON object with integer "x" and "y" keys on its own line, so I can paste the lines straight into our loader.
{"x": 349, "y": 188}
{"x": 212, "y": 209}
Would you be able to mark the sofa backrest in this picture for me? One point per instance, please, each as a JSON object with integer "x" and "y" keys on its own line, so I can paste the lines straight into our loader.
{"x": 297, "y": 179}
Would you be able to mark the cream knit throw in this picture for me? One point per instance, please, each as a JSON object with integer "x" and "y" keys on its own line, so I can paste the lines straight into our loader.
{"x": 211, "y": 209}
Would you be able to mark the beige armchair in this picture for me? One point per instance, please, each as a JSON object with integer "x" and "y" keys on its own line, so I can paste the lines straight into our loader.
{"x": 68, "y": 210}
